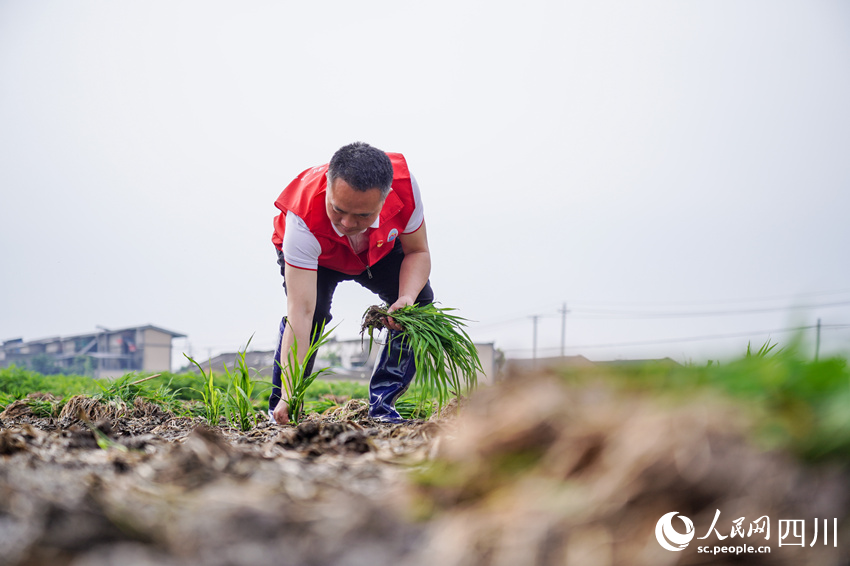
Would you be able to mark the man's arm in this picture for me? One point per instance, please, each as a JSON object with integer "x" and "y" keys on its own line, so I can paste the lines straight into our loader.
{"x": 415, "y": 269}
{"x": 300, "y": 306}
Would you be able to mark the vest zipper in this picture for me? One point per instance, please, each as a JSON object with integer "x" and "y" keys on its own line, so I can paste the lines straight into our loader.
{"x": 366, "y": 265}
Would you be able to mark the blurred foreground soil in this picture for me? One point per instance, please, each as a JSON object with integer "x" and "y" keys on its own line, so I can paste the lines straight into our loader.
{"x": 531, "y": 471}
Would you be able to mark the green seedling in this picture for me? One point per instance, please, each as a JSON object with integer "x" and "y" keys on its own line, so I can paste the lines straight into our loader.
{"x": 211, "y": 396}
{"x": 239, "y": 408}
{"x": 762, "y": 352}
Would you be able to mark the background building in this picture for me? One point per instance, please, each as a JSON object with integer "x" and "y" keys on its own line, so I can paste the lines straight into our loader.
{"x": 105, "y": 353}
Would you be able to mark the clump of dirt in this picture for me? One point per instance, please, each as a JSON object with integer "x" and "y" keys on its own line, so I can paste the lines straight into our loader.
{"x": 83, "y": 407}
{"x": 23, "y": 407}
{"x": 452, "y": 409}
{"x": 355, "y": 410}
{"x": 11, "y": 442}
{"x": 16, "y": 409}
{"x": 314, "y": 438}
{"x": 537, "y": 472}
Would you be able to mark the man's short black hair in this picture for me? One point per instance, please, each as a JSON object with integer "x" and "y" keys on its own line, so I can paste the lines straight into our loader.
{"x": 362, "y": 166}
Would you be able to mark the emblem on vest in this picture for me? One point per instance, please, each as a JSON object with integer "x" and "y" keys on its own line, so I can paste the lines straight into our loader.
{"x": 393, "y": 235}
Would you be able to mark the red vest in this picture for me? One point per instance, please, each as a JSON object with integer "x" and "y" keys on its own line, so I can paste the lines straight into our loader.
{"x": 305, "y": 196}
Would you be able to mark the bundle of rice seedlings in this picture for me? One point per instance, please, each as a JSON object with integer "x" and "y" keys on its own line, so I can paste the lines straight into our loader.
{"x": 446, "y": 359}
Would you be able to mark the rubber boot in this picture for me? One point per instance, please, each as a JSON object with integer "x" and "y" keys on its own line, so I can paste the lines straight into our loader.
{"x": 393, "y": 374}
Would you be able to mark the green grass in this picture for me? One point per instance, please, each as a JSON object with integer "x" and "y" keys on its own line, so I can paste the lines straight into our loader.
{"x": 351, "y": 389}
{"x": 17, "y": 382}
{"x": 125, "y": 388}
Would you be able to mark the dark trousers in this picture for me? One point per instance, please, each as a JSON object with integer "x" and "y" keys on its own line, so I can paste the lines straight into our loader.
{"x": 383, "y": 282}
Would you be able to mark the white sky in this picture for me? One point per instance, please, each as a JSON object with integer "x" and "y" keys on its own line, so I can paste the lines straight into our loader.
{"x": 652, "y": 157}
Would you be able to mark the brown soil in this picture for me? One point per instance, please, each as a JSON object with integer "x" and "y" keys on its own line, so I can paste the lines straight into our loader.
{"x": 530, "y": 472}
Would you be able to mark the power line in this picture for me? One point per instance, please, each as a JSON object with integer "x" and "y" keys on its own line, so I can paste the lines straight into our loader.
{"x": 599, "y": 311}
{"x": 796, "y": 296}
{"x": 700, "y": 338}
{"x": 604, "y": 313}
{"x": 477, "y": 326}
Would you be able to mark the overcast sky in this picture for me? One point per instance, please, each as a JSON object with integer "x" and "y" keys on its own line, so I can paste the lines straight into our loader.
{"x": 673, "y": 171}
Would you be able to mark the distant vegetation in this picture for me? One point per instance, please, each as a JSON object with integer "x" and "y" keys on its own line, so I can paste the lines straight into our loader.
{"x": 796, "y": 403}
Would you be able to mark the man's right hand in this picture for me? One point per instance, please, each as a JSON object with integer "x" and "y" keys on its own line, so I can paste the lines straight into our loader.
{"x": 300, "y": 308}
{"x": 281, "y": 412}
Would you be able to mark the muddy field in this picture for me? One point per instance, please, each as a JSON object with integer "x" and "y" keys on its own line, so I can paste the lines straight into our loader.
{"x": 531, "y": 471}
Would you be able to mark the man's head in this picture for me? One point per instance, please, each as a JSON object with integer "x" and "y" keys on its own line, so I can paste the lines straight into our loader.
{"x": 362, "y": 166}
{"x": 359, "y": 178}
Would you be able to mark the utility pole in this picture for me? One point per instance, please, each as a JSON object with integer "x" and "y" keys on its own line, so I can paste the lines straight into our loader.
{"x": 817, "y": 342}
{"x": 534, "y": 343}
{"x": 563, "y": 310}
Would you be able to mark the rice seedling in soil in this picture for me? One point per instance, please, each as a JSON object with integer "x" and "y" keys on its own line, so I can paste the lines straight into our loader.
{"x": 239, "y": 408}
{"x": 294, "y": 380}
{"x": 446, "y": 359}
{"x": 211, "y": 396}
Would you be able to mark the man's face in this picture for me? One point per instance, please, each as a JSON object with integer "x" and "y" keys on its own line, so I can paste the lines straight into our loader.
{"x": 352, "y": 211}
